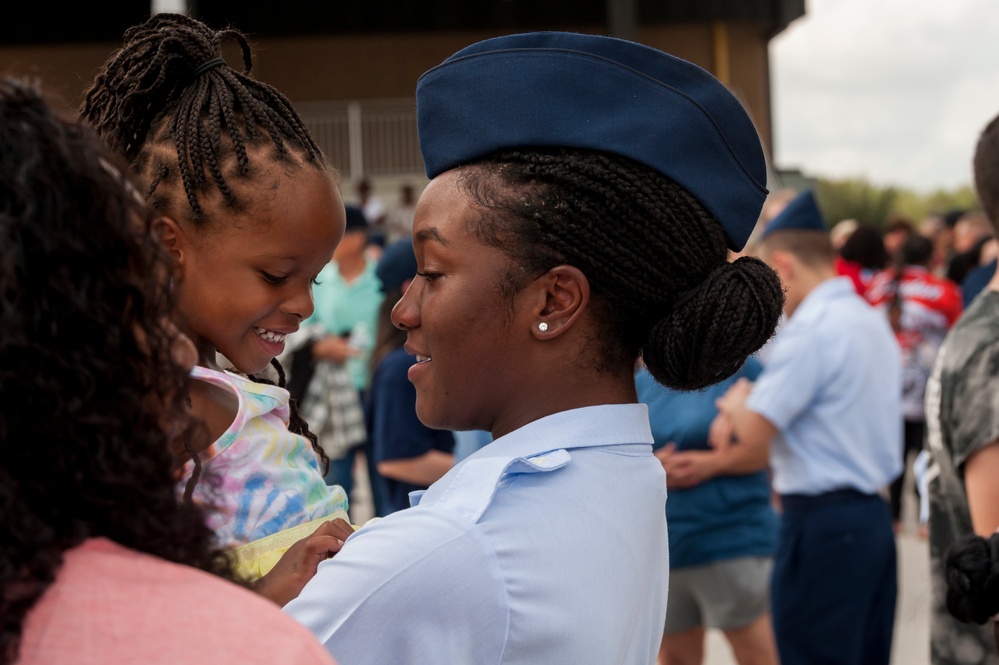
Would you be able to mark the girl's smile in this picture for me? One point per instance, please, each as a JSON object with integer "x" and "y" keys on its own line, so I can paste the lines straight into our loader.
{"x": 273, "y": 341}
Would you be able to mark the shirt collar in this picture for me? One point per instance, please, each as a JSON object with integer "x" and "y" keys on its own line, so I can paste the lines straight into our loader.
{"x": 831, "y": 289}
{"x": 603, "y": 425}
{"x": 592, "y": 426}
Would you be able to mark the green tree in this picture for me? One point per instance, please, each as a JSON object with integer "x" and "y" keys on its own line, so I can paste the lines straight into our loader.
{"x": 856, "y": 198}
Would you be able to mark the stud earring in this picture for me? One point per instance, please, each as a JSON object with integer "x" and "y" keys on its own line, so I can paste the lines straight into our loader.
{"x": 542, "y": 326}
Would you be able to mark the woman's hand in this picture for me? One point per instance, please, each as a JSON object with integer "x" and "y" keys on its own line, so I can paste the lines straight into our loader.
{"x": 687, "y": 468}
{"x": 298, "y": 565}
{"x": 721, "y": 435}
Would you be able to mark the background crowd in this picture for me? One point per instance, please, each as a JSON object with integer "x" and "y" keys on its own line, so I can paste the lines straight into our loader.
{"x": 785, "y": 465}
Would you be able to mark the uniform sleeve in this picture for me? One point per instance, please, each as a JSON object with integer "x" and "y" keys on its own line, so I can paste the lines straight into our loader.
{"x": 416, "y": 590}
{"x": 789, "y": 382}
{"x": 974, "y": 406}
{"x": 308, "y": 652}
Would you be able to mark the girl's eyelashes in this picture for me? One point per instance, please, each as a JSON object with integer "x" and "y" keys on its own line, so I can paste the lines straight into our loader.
{"x": 281, "y": 279}
{"x": 274, "y": 279}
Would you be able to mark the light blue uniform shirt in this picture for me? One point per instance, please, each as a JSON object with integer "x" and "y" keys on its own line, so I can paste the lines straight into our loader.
{"x": 546, "y": 546}
{"x": 832, "y": 385}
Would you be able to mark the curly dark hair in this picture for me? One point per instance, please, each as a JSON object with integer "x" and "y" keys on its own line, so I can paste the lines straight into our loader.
{"x": 656, "y": 260}
{"x": 88, "y": 379}
{"x": 971, "y": 567}
{"x": 189, "y": 124}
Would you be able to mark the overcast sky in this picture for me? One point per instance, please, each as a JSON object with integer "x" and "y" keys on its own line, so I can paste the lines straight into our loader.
{"x": 896, "y": 91}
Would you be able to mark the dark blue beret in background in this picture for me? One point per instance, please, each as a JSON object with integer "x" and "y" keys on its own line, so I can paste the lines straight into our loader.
{"x": 800, "y": 214}
{"x": 548, "y": 89}
{"x": 397, "y": 264}
{"x": 355, "y": 219}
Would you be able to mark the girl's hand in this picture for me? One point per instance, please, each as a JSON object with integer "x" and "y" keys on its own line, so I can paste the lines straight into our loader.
{"x": 298, "y": 565}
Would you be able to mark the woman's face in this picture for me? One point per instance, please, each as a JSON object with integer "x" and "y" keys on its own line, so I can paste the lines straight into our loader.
{"x": 468, "y": 338}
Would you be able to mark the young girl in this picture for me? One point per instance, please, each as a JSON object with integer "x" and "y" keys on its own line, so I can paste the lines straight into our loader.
{"x": 249, "y": 209}
{"x": 101, "y": 562}
{"x": 585, "y": 192}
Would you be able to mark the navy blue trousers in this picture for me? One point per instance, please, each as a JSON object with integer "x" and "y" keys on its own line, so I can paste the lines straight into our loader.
{"x": 835, "y": 580}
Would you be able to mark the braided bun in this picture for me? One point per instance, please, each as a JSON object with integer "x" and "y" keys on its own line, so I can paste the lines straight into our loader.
{"x": 715, "y": 326}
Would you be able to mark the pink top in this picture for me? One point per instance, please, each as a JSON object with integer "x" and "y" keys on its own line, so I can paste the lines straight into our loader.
{"x": 112, "y": 605}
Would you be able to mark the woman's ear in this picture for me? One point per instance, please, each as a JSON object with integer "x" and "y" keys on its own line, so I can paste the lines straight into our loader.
{"x": 562, "y": 296}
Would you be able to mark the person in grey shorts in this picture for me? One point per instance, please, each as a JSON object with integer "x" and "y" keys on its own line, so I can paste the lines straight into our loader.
{"x": 728, "y": 594}
{"x": 722, "y": 528}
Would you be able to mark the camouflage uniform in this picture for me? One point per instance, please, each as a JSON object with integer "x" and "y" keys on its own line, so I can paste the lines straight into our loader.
{"x": 962, "y": 412}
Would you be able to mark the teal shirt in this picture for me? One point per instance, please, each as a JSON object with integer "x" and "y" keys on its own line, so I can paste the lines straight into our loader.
{"x": 350, "y": 310}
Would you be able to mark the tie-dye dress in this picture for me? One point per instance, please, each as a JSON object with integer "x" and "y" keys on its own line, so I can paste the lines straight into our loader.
{"x": 260, "y": 478}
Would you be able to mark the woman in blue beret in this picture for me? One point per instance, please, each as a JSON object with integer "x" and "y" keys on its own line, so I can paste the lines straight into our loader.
{"x": 585, "y": 192}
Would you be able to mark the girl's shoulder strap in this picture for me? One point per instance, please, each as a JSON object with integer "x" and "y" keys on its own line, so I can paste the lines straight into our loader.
{"x": 216, "y": 401}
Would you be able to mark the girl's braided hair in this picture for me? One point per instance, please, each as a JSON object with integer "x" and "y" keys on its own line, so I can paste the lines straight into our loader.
{"x": 656, "y": 260}
{"x": 185, "y": 120}
{"x": 170, "y": 105}
{"x": 88, "y": 379}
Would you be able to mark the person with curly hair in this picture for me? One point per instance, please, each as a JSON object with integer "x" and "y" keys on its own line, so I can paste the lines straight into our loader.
{"x": 585, "y": 192}
{"x": 249, "y": 209}
{"x": 98, "y": 553}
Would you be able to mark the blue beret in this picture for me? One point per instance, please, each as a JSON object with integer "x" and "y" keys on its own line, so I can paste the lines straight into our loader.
{"x": 801, "y": 213}
{"x": 548, "y": 89}
{"x": 355, "y": 219}
{"x": 398, "y": 263}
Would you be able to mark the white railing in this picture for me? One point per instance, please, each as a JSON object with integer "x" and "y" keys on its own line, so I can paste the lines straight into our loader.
{"x": 366, "y": 138}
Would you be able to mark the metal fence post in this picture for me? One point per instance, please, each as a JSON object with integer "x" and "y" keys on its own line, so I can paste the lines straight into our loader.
{"x": 355, "y": 141}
